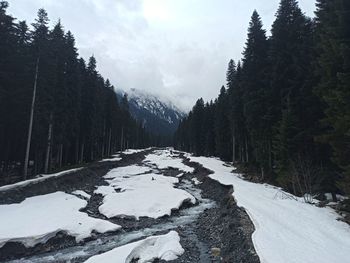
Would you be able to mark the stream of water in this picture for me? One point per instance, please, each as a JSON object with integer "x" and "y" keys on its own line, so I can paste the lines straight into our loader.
{"x": 81, "y": 252}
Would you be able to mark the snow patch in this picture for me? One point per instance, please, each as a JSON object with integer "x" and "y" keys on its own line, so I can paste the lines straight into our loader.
{"x": 115, "y": 158}
{"x": 146, "y": 195}
{"x": 37, "y": 219}
{"x": 339, "y": 197}
{"x": 132, "y": 151}
{"x": 127, "y": 171}
{"x": 81, "y": 193}
{"x": 39, "y": 178}
{"x": 164, "y": 247}
{"x": 196, "y": 181}
{"x": 167, "y": 158}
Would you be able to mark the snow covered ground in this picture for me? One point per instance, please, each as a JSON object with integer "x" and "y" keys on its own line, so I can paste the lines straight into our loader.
{"x": 136, "y": 191}
{"x": 132, "y": 151}
{"x": 116, "y": 157}
{"x": 166, "y": 247}
{"x": 37, "y": 219}
{"x": 167, "y": 158}
{"x": 288, "y": 230}
{"x": 38, "y": 179}
{"x": 82, "y": 194}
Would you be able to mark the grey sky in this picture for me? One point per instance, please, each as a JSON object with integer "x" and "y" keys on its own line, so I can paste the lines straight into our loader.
{"x": 178, "y": 49}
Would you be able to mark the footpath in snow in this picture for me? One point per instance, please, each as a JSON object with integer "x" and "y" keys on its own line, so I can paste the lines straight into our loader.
{"x": 288, "y": 230}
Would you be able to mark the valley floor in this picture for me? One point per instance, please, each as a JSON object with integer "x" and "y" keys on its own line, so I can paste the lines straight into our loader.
{"x": 160, "y": 204}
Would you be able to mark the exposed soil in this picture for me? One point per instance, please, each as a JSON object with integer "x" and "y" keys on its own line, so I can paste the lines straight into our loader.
{"x": 14, "y": 250}
{"x": 85, "y": 179}
{"x": 225, "y": 228}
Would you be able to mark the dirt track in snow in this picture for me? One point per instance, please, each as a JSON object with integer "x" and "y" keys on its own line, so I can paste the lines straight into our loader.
{"x": 224, "y": 225}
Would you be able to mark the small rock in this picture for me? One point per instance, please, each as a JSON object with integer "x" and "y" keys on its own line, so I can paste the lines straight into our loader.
{"x": 216, "y": 252}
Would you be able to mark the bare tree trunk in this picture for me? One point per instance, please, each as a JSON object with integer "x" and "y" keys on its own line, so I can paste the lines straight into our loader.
{"x": 29, "y": 138}
{"x": 270, "y": 154}
{"x": 103, "y": 139}
{"x": 48, "y": 148}
{"x": 233, "y": 145}
{"x": 76, "y": 155}
{"x": 82, "y": 153}
{"x": 246, "y": 150}
{"x": 60, "y": 155}
{"x": 122, "y": 140}
{"x": 36, "y": 161}
{"x": 109, "y": 146}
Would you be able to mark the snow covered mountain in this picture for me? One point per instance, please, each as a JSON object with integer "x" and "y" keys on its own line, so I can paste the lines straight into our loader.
{"x": 159, "y": 116}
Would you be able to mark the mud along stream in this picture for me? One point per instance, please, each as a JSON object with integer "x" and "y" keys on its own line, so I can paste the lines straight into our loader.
{"x": 212, "y": 221}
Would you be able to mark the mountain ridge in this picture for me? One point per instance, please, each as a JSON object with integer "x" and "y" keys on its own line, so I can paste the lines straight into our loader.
{"x": 159, "y": 115}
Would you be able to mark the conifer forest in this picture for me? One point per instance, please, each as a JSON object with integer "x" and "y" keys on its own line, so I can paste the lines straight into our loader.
{"x": 285, "y": 109}
{"x": 76, "y": 116}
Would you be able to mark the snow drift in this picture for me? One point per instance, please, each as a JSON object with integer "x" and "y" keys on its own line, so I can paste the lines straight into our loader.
{"x": 165, "y": 247}
{"x": 287, "y": 229}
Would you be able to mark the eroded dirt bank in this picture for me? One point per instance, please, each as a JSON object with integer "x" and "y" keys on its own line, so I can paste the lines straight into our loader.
{"x": 225, "y": 226}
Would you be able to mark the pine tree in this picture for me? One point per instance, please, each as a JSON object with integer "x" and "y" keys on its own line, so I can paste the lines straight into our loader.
{"x": 235, "y": 114}
{"x": 333, "y": 32}
{"x": 291, "y": 88}
{"x": 209, "y": 129}
{"x": 40, "y": 52}
{"x": 73, "y": 88}
{"x": 222, "y": 126}
{"x": 255, "y": 82}
{"x": 197, "y": 136}
{"x": 8, "y": 87}
{"x": 232, "y": 85}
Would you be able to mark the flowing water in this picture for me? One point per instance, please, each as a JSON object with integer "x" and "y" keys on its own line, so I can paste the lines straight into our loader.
{"x": 81, "y": 252}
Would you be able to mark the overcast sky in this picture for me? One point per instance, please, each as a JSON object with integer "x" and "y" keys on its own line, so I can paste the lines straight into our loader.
{"x": 178, "y": 49}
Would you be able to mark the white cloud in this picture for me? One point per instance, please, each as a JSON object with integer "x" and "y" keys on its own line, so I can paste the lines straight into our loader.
{"x": 176, "y": 48}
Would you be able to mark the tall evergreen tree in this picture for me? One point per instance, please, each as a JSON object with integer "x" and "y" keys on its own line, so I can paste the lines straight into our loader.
{"x": 232, "y": 85}
{"x": 222, "y": 126}
{"x": 198, "y": 135}
{"x": 291, "y": 51}
{"x": 255, "y": 81}
{"x": 333, "y": 32}
{"x": 8, "y": 90}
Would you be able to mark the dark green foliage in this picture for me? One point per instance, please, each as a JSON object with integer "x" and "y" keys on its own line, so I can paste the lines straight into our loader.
{"x": 255, "y": 82}
{"x": 291, "y": 87}
{"x": 222, "y": 126}
{"x": 74, "y": 103}
{"x": 286, "y": 109}
{"x": 333, "y": 70}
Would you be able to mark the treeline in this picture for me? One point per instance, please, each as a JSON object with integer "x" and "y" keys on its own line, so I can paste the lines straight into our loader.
{"x": 285, "y": 110}
{"x": 77, "y": 117}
